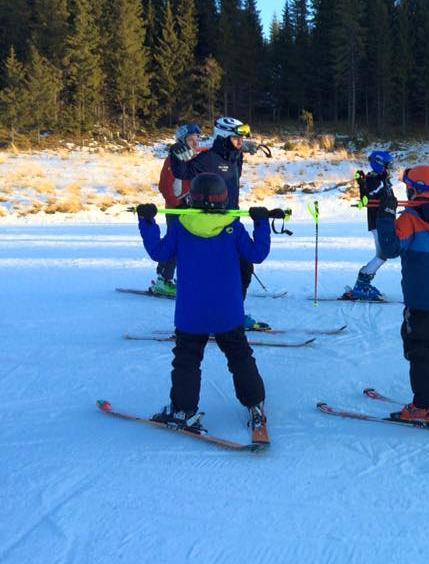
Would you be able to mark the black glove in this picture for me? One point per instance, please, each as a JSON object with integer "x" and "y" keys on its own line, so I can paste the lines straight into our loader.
{"x": 259, "y": 213}
{"x": 181, "y": 151}
{"x": 146, "y": 211}
{"x": 250, "y": 147}
{"x": 388, "y": 203}
{"x": 277, "y": 213}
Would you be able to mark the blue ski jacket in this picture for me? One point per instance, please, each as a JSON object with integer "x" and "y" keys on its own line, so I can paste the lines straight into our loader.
{"x": 222, "y": 159}
{"x": 408, "y": 237}
{"x": 209, "y": 291}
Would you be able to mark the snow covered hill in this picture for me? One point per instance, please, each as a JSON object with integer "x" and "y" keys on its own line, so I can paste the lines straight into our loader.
{"x": 77, "y": 487}
{"x": 91, "y": 185}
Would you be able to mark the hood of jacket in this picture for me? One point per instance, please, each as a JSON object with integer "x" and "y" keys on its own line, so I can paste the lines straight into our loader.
{"x": 206, "y": 225}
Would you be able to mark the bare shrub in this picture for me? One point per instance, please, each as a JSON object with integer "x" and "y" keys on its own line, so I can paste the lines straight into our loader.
{"x": 327, "y": 142}
{"x": 70, "y": 202}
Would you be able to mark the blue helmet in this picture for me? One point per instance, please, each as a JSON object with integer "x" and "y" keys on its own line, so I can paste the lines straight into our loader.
{"x": 380, "y": 160}
{"x": 187, "y": 129}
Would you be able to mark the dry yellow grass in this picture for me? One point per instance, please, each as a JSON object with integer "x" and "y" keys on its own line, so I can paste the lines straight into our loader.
{"x": 70, "y": 201}
{"x": 267, "y": 187}
{"x": 3, "y": 212}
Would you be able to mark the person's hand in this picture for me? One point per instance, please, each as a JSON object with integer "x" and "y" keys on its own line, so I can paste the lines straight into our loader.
{"x": 388, "y": 203}
{"x": 277, "y": 213}
{"x": 258, "y": 213}
{"x": 250, "y": 147}
{"x": 182, "y": 151}
{"x": 146, "y": 211}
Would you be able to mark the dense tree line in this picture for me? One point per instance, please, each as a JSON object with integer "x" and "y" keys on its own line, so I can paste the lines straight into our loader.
{"x": 75, "y": 65}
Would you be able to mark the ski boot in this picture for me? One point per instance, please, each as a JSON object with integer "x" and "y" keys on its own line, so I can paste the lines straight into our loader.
{"x": 363, "y": 290}
{"x": 257, "y": 416}
{"x": 412, "y": 414}
{"x": 258, "y": 424}
{"x": 251, "y": 324}
{"x": 162, "y": 287}
{"x": 185, "y": 420}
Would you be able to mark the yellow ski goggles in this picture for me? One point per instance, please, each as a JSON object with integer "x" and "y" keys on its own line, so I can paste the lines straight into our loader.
{"x": 242, "y": 130}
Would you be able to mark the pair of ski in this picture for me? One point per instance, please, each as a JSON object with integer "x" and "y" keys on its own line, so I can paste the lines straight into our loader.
{"x": 372, "y": 394}
{"x": 167, "y": 337}
{"x": 149, "y": 292}
{"x": 259, "y": 440}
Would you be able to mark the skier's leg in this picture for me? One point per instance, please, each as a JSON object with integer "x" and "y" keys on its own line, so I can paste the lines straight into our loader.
{"x": 375, "y": 263}
{"x": 363, "y": 289}
{"x": 186, "y": 373}
{"x": 166, "y": 269}
{"x": 415, "y": 336}
{"x": 248, "y": 384}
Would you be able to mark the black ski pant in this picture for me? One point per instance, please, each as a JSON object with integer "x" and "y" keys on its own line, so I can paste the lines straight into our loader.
{"x": 246, "y": 269}
{"x": 186, "y": 373}
{"x": 166, "y": 269}
{"x": 415, "y": 336}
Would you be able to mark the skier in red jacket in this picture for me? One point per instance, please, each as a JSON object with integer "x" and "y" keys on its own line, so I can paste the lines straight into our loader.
{"x": 175, "y": 192}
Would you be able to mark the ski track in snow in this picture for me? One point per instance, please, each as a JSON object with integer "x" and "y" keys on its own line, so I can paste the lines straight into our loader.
{"x": 78, "y": 487}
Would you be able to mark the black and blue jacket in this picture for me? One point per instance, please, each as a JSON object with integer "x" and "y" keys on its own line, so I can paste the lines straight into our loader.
{"x": 222, "y": 159}
{"x": 208, "y": 248}
{"x": 408, "y": 237}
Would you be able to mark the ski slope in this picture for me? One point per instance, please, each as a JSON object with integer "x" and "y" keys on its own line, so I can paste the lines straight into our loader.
{"x": 78, "y": 487}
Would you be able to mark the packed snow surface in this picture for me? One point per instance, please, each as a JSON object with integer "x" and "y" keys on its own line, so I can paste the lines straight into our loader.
{"x": 79, "y": 487}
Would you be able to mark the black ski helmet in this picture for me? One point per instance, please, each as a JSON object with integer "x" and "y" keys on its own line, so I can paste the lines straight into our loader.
{"x": 209, "y": 192}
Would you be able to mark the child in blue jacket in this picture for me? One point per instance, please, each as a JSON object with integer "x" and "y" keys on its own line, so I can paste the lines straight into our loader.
{"x": 208, "y": 248}
{"x": 408, "y": 237}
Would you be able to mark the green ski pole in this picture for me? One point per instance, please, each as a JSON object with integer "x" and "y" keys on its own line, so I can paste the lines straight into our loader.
{"x": 314, "y": 211}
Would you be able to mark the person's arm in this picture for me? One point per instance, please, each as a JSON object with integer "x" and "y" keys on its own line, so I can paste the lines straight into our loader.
{"x": 160, "y": 250}
{"x": 257, "y": 249}
{"x": 390, "y": 242}
{"x": 183, "y": 164}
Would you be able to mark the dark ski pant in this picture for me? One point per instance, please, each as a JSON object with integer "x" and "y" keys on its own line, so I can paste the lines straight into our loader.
{"x": 166, "y": 269}
{"x": 246, "y": 269}
{"x": 415, "y": 337}
{"x": 186, "y": 373}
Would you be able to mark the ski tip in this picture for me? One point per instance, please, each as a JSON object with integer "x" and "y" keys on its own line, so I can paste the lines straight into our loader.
{"x": 104, "y": 405}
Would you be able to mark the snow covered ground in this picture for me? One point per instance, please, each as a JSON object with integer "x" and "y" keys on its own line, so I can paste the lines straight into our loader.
{"x": 78, "y": 487}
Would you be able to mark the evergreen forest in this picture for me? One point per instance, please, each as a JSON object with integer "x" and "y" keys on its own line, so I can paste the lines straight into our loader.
{"x": 80, "y": 65}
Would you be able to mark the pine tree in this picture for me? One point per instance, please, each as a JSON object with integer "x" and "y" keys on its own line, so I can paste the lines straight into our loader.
{"x": 229, "y": 53}
{"x": 299, "y": 63}
{"x": 322, "y": 65}
{"x": 275, "y": 65}
{"x": 14, "y": 28}
{"x": 287, "y": 53}
{"x": 209, "y": 80}
{"x": 208, "y": 29}
{"x": 43, "y": 87}
{"x": 252, "y": 50}
{"x": 130, "y": 77}
{"x": 420, "y": 89}
{"x": 348, "y": 52}
{"x": 187, "y": 38}
{"x": 403, "y": 60}
{"x": 50, "y": 29}
{"x": 83, "y": 69}
{"x": 378, "y": 64}
{"x": 168, "y": 66}
{"x": 14, "y": 105}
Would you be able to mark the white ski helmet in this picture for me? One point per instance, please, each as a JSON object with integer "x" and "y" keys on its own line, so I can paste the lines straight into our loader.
{"x": 230, "y": 127}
